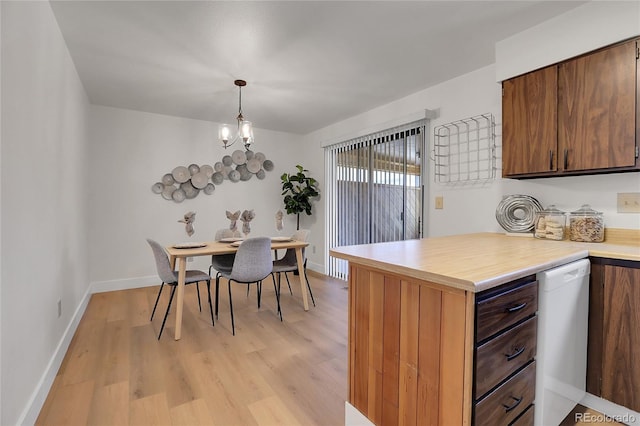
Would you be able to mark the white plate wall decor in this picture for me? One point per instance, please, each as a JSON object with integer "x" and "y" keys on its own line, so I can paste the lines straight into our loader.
{"x": 186, "y": 182}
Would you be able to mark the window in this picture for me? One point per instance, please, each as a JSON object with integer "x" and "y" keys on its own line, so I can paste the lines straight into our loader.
{"x": 374, "y": 190}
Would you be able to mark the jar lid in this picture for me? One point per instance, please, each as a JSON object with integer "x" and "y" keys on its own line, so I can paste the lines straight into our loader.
{"x": 586, "y": 210}
{"x": 552, "y": 210}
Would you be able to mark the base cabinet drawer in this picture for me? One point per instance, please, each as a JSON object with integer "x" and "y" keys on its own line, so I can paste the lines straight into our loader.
{"x": 496, "y": 313}
{"x": 500, "y": 357}
{"x": 525, "y": 419}
{"x": 509, "y": 400}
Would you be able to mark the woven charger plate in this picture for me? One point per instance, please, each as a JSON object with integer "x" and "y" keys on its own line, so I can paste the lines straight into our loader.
{"x": 517, "y": 213}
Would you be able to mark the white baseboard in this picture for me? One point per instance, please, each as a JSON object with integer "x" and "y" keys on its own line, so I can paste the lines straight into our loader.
{"x": 315, "y": 267}
{"x": 32, "y": 410}
{"x": 39, "y": 395}
{"x": 124, "y": 284}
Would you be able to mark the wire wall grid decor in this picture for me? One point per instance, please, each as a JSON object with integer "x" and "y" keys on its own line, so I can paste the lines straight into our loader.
{"x": 464, "y": 151}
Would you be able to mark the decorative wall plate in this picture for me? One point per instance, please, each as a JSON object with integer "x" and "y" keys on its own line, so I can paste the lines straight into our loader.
{"x": 178, "y": 195}
{"x": 199, "y": 180}
{"x": 181, "y": 174}
{"x": 168, "y": 179}
{"x": 209, "y": 189}
{"x": 254, "y": 165}
{"x": 207, "y": 170}
{"x": 238, "y": 157}
{"x": 193, "y": 169}
{"x": 157, "y": 188}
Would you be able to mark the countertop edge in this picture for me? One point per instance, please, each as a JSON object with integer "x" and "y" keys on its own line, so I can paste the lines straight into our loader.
{"x": 574, "y": 251}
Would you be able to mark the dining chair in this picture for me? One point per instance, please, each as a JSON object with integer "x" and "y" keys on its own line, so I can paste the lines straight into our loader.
{"x": 170, "y": 277}
{"x": 289, "y": 263}
{"x": 252, "y": 264}
{"x": 223, "y": 262}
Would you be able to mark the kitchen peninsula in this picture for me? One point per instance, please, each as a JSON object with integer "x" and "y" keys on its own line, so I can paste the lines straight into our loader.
{"x": 415, "y": 314}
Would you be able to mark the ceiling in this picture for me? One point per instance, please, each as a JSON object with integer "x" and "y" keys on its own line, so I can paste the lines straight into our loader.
{"x": 307, "y": 64}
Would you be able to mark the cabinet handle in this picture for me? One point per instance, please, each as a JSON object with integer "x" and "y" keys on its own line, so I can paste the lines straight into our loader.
{"x": 566, "y": 158}
{"x": 508, "y": 408}
{"x": 550, "y": 160}
{"x": 517, "y": 308}
{"x": 515, "y": 354}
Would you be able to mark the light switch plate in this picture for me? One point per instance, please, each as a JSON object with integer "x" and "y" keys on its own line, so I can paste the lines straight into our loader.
{"x": 439, "y": 202}
{"x": 629, "y": 202}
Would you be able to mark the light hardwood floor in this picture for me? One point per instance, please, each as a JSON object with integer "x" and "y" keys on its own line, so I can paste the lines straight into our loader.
{"x": 294, "y": 372}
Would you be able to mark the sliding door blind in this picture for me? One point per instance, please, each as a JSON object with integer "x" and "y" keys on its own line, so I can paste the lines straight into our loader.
{"x": 374, "y": 190}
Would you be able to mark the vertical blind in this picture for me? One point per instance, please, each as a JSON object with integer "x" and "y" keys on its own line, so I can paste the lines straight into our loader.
{"x": 374, "y": 189}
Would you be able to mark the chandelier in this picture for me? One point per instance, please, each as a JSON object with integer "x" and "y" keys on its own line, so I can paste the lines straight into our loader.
{"x": 244, "y": 130}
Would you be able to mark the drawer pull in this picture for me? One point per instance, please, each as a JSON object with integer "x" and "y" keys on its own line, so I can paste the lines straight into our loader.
{"x": 508, "y": 408}
{"x": 515, "y": 354}
{"x": 517, "y": 308}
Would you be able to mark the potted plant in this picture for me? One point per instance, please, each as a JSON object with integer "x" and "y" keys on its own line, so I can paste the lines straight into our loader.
{"x": 298, "y": 190}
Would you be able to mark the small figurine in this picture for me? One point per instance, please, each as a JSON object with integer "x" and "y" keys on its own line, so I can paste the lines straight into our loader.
{"x": 279, "y": 220}
{"x": 246, "y": 217}
{"x": 188, "y": 220}
{"x": 233, "y": 217}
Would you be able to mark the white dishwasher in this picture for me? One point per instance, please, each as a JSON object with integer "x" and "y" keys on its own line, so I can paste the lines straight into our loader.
{"x": 561, "y": 361}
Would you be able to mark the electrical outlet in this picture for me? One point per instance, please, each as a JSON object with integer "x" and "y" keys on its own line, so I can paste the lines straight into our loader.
{"x": 313, "y": 249}
{"x": 439, "y": 202}
{"x": 189, "y": 259}
{"x": 629, "y": 202}
{"x": 59, "y": 308}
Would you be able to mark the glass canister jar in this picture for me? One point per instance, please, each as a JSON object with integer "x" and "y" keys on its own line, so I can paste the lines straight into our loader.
{"x": 550, "y": 224}
{"x": 586, "y": 225}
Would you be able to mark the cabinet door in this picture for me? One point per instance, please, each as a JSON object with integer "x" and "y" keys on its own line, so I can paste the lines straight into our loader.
{"x": 529, "y": 123}
{"x": 597, "y": 110}
{"x": 621, "y": 336}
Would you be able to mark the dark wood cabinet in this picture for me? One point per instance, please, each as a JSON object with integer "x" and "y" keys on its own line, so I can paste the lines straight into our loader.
{"x": 597, "y": 109}
{"x": 613, "y": 352}
{"x": 529, "y": 123}
{"x": 506, "y": 342}
{"x": 576, "y": 117}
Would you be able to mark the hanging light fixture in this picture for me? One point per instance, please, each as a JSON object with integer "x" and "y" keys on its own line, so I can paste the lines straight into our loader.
{"x": 244, "y": 130}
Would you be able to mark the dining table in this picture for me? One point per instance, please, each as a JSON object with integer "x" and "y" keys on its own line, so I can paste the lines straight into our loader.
{"x": 181, "y": 252}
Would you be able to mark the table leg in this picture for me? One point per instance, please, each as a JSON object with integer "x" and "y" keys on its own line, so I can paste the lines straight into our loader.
{"x": 303, "y": 284}
{"x": 182, "y": 267}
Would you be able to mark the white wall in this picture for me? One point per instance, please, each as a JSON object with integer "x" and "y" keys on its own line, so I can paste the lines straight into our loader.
{"x": 593, "y": 25}
{"x": 472, "y": 208}
{"x": 130, "y": 151}
{"x": 43, "y": 196}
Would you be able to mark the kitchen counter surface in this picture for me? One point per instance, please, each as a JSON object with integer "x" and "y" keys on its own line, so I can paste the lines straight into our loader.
{"x": 477, "y": 262}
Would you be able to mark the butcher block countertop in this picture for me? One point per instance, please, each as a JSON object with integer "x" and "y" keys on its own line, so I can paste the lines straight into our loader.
{"x": 477, "y": 262}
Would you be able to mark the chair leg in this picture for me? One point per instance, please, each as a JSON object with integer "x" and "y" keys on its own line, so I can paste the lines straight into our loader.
{"x": 173, "y": 291}
{"x": 259, "y": 292}
{"x": 210, "y": 307}
{"x": 277, "y": 289}
{"x": 233, "y": 325}
{"x": 309, "y": 287}
{"x": 217, "y": 292}
{"x": 288, "y": 283}
{"x": 156, "y": 305}
{"x": 198, "y": 290}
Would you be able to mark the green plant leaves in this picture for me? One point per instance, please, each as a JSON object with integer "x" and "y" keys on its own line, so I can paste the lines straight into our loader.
{"x": 298, "y": 190}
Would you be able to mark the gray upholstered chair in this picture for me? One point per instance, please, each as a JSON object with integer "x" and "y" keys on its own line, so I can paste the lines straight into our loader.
{"x": 252, "y": 265}
{"x": 223, "y": 262}
{"x": 289, "y": 263}
{"x": 170, "y": 277}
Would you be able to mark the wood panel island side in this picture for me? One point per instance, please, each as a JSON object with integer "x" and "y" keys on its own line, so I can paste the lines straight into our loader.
{"x": 427, "y": 317}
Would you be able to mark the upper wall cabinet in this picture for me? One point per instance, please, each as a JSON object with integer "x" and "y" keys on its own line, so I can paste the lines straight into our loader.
{"x": 576, "y": 117}
{"x": 529, "y": 123}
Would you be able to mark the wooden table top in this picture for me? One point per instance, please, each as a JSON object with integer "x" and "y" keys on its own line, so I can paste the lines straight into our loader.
{"x": 476, "y": 262}
{"x": 216, "y": 247}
